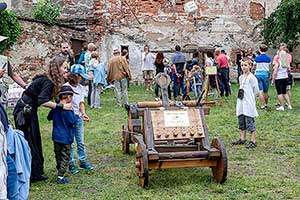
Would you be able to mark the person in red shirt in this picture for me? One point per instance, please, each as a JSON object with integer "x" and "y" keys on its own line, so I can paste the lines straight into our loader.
{"x": 223, "y": 72}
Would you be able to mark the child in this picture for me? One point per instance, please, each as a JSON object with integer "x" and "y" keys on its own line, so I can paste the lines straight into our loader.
{"x": 96, "y": 87}
{"x": 63, "y": 133}
{"x": 246, "y": 106}
{"x": 196, "y": 80}
{"x": 76, "y": 76}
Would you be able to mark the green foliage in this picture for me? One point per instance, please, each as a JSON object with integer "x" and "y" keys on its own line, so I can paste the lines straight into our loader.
{"x": 9, "y": 27}
{"x": 283, "y": 24}
{"x": 46, "y": 11}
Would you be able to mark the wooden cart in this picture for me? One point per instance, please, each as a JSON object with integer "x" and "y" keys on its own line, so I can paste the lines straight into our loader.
{"x": 172, "y": 136}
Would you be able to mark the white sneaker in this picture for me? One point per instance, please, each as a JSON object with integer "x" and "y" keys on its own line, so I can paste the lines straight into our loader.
{"x": 290, "y": 107}
{"x": 280, "y": 108}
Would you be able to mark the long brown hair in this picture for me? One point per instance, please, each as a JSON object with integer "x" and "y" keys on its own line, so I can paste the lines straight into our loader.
{"x": 159, "y": 58}
{"x": 54, "y": 73}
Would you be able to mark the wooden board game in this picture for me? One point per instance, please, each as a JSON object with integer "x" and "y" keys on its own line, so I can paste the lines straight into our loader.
{"x": 177, "y": 124}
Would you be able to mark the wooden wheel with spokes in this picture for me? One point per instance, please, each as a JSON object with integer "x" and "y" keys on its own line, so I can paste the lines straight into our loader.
{"x": 220, "y": 171}
{"x": 142, "y": 165}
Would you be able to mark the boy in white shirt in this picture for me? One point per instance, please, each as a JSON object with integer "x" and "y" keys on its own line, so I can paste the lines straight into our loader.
{"x": 246, "y": 105}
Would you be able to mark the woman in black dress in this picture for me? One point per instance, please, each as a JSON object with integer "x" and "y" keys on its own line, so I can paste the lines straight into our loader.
{"x": 39, "y": 93}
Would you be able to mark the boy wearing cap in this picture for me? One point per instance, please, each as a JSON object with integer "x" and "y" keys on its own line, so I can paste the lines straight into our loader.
{"x": 77, "y": 75}
{"x": 63, "y": 133}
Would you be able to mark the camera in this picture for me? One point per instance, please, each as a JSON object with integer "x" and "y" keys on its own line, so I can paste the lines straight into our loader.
{"x": 27, "y": 110}
{"x": 241, "y": 94}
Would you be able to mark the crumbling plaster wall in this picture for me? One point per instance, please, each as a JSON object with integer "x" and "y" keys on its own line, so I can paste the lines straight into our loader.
{"x": 228, "y": 24}
{"x": 38, "y": 44}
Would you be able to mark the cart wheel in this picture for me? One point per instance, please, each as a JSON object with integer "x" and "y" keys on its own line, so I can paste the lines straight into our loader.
{"x": 142, "y": 166}
{"x": 125, "y": 139}
{"x": 220, "y": 171}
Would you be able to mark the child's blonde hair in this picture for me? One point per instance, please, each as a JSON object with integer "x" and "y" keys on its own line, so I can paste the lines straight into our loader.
{"x": 246, "y": 60}
{"x": 284, "y": 59}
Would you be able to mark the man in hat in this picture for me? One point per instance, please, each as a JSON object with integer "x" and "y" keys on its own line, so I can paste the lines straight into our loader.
{"x": 117, "y": 73}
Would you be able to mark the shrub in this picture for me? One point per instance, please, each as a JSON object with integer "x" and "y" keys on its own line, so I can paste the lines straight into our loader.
{"x": 46, "y": 11}
{"x": 283, "y": 24}
{"x": 10, "y": 27}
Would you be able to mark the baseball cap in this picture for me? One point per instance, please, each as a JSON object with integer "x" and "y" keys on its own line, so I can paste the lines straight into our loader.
{"x": 3, "y": 6}
{"x": 66, "y": 90}
{"x": 79, "y": 69}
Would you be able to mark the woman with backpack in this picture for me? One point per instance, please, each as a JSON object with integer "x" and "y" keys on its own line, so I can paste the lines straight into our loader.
{"x": 280, "y": 78}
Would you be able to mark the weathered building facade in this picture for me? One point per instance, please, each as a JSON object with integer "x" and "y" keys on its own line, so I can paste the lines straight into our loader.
{"x": 228, "y": 24}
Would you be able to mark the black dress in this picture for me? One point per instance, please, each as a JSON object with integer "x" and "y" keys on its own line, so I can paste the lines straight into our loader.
{"x": 38, "y": 92}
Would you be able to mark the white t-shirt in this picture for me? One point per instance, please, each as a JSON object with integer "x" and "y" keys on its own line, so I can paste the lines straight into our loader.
{"x": 77, "y": 98}
{"x": 93, "y": 62}
{"x": 247, "y": 106}
{"x": 282, "y": 73}
{"x": 148, "y": 61}
{"x": 209, "y": 61}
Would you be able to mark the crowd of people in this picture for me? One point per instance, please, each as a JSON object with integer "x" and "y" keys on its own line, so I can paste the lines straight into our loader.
{"x": 62, "y": 89}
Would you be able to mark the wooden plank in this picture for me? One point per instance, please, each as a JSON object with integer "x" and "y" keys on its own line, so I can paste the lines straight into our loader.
{"x": 156, "y": 104}
{"x": 136, "y": 125}
{"x": 184, "y": 163}
{"x": 183, "y": 155}
{"x": 148, "y": 130}
{"x": 172, "y": 148}
{"x": 205, "y": 140}
{"x": 153, "y": 155}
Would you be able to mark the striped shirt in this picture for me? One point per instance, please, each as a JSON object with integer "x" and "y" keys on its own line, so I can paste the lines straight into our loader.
{"x": 263, "y": 63}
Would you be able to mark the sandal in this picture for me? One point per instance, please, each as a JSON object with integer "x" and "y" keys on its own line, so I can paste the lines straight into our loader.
{"x": 239, "y": 142}
{"x": 251, "y": 145}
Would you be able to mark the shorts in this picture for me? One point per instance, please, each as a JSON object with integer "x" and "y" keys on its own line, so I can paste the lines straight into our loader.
{"x": 263, "y": 83}
{"x": 246, "y": 123}
{"x": 148, "y": 74}
{"x": 280, "y": 85}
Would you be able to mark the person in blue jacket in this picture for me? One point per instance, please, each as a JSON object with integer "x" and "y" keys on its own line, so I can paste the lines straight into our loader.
{"x": 63, "y": 133}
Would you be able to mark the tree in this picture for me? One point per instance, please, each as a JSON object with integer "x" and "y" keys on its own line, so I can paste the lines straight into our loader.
{"x": 283, "y": 24}
{"x": 10, "y": 27}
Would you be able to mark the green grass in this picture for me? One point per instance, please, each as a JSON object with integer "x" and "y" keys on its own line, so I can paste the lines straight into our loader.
{"x": 271, "y": 171}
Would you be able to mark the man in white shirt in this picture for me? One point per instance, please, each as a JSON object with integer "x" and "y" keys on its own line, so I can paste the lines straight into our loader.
{"x": 148, "y": 68}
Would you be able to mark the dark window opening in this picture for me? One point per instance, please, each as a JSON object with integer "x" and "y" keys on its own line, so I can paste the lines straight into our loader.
{"x": 77, "y": 47}
{"x": 125, "y": 51}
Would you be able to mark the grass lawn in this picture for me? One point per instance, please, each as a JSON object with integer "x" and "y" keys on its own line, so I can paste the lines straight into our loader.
{"x": 271, "y": 171}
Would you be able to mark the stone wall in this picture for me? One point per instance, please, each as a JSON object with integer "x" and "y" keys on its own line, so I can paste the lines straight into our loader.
{"x": 228, "y": 24}
{"x": 38, "y": 44}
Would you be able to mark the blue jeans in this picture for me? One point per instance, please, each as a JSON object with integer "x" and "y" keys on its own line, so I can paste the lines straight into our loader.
{"x": 179, "y": 85}
{"x": 224, "y": 81}
{"x": 12, "y": 179}
{"x": 79, "y": 137}
{"x": 263, "y": 83}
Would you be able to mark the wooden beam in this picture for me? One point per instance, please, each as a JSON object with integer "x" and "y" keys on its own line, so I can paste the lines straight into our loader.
{"x": 183, "y": 155}
{"x": 183, "y": 163}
